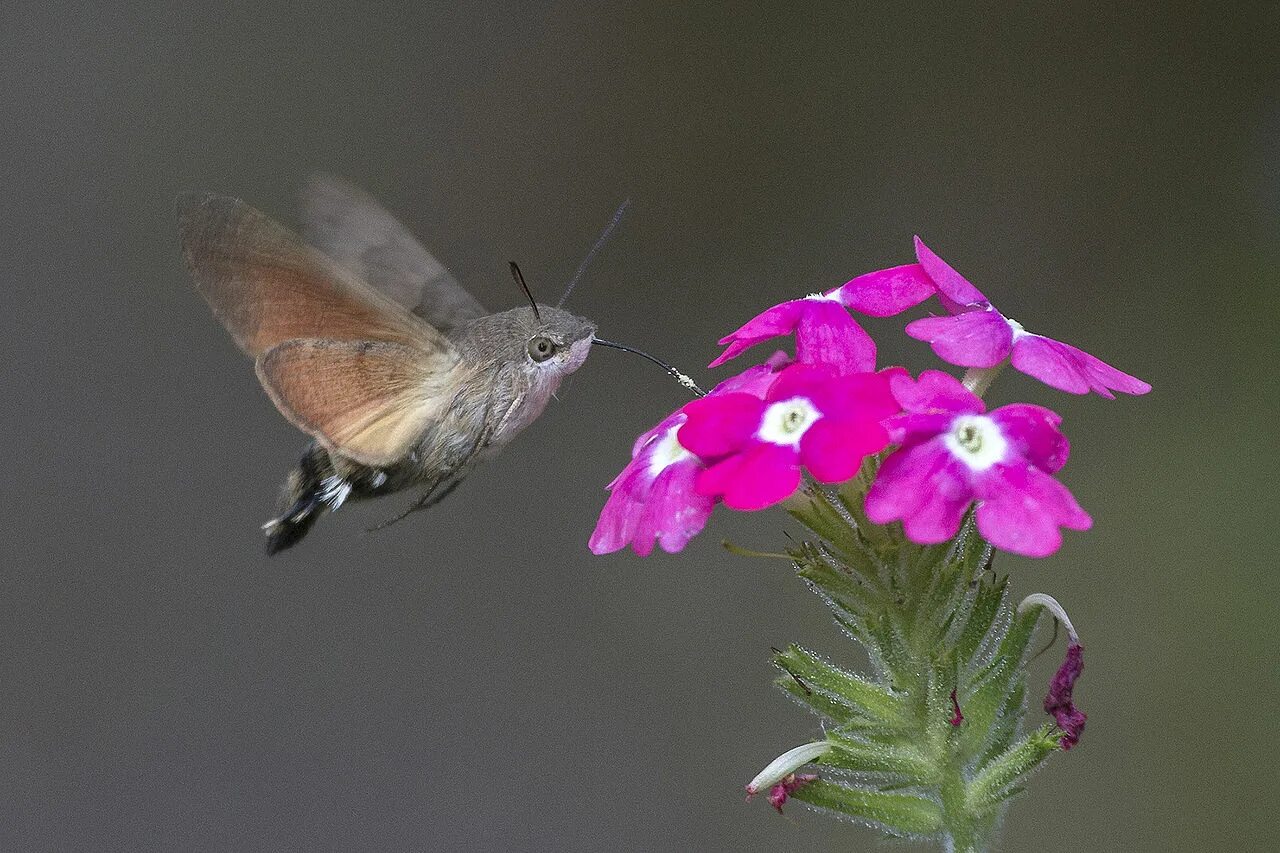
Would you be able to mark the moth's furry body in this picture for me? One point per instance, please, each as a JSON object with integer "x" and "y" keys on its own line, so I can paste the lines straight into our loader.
{"x": 400, "y": 376}
{"x": 499, "y": 392}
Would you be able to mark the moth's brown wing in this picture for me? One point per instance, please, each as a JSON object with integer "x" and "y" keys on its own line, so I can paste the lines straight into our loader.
{"x": 368, "y": 400}
{"x": 267, "y": 286}
{"x": 350, "y": 226}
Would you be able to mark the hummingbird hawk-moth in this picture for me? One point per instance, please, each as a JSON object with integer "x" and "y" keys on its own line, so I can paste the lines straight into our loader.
{"x": 365, "y": 342}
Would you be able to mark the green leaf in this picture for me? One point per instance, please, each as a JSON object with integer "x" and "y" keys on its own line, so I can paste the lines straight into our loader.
{"x": 982, "y": 615}
{"x": 840, "y": 531}
{"x": 842, "y": 589}
{"x": 890, "y": 649}
{"x": 901, "y": 759}
{"x": 984, "y": 701}
{"x": 902, "y": 813}
{"x": 1008, "y": 720}
{"x": 994, "y": 783}
{"x": 861, "y": 696}
{"x": 825, "y": 706}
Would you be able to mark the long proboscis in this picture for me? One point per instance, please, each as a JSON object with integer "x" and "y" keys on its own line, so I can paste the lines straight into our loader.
{"x": 600, "y": 241}
{"x": 675, "y": 374}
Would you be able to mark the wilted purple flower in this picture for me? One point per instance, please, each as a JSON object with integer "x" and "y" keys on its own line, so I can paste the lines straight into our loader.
{"x": 1058, "y": 701}
{"x": 781, "y": 792}
{"x": 977, "y": 335}
{"x": 953, "y": 453}
{"x": 956, "y": 717}
{"x": 825, "y": 333}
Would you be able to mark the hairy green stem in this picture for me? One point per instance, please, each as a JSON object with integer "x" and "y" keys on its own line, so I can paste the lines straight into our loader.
{"x": 929, "y": 743}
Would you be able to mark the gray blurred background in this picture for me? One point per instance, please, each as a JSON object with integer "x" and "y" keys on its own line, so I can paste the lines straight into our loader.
{"x": 473, "y": 678}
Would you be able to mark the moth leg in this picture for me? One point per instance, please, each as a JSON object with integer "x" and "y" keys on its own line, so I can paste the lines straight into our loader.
{"x": 429, "y": 499}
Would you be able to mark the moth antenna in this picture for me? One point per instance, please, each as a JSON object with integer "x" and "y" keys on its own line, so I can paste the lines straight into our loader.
{"x": 675, "y": 374}
{"x": 600, "y": 241}
{"x": 515, "y": 273}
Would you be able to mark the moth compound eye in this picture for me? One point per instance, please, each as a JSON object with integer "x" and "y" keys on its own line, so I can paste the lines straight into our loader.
{"x": 541, "y": 348}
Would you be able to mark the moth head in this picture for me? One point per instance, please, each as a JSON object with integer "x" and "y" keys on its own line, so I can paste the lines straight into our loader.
{"x": 557, "y": 340}
{"x": 551, "y": 343}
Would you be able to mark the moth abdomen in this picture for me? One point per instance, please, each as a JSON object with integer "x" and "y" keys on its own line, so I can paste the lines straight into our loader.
{"x": 303, "y": 500}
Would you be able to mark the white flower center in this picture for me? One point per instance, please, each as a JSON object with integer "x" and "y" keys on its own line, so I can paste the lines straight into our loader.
{"x": 976, "y": 441}
{"x": 667, "y": 451}
{"x": 786, "y": 421}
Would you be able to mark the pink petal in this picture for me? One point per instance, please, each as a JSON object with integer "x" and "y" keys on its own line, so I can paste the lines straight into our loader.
{"x": 1021, "y": 508}
{"x": 800, "y": 380}
{"x": 913, "y": 429}
{"x": 884, "y": 293}
{"x": 720, "y": 424}
{"x": 935, "y": 391}
{"x": 757, "y": 478}
{"x": 833, "y": 449}
{"x": 1066, "y": 368}
{"x": 674, "y": 512}
{"x": 950, "y": 283}
{"x": 924, "y": 487}
{"x": 778, "y": 320}
{"x": 827, "y": 335}
{"x": 972, "y": 339}
{"x": 677, "y": 417}
{"x": 754, "y": 380}
{"x": 866, "y": 396}
{"x": 1033, "y": 432}
{"x": 621, "y": 513}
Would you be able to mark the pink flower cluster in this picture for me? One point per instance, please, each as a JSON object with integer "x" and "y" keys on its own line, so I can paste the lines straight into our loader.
{"x": 748, "y": 442}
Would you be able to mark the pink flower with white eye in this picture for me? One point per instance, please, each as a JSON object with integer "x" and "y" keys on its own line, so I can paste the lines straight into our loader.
{"x": 954, "y": 453}
{"x": 977, "y": 335}
{"x": 653, "y": 501}
{"x": 825, "y": 333}
{"x": 811, "y": 416}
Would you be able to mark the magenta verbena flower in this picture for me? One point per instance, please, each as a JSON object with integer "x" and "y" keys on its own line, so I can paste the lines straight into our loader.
{"x": 954, "y": 453}
{"x": 811, "y": 415}
{"x": 977, "y": 335}
{"x": 653, "y": 500}
{"x": 1058, "y": 701}
{"x": 825, "y": 333}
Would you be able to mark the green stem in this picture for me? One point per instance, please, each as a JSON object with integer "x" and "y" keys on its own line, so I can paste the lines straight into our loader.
{"x": 941, "y": 637}
{"x": 963, "y": 831}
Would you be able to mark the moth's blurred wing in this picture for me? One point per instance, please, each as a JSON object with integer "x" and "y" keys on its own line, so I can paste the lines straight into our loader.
{"x": 267, "y": 286}
{"x": 367, "y": 400}
{"x": 350, "y": 226}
